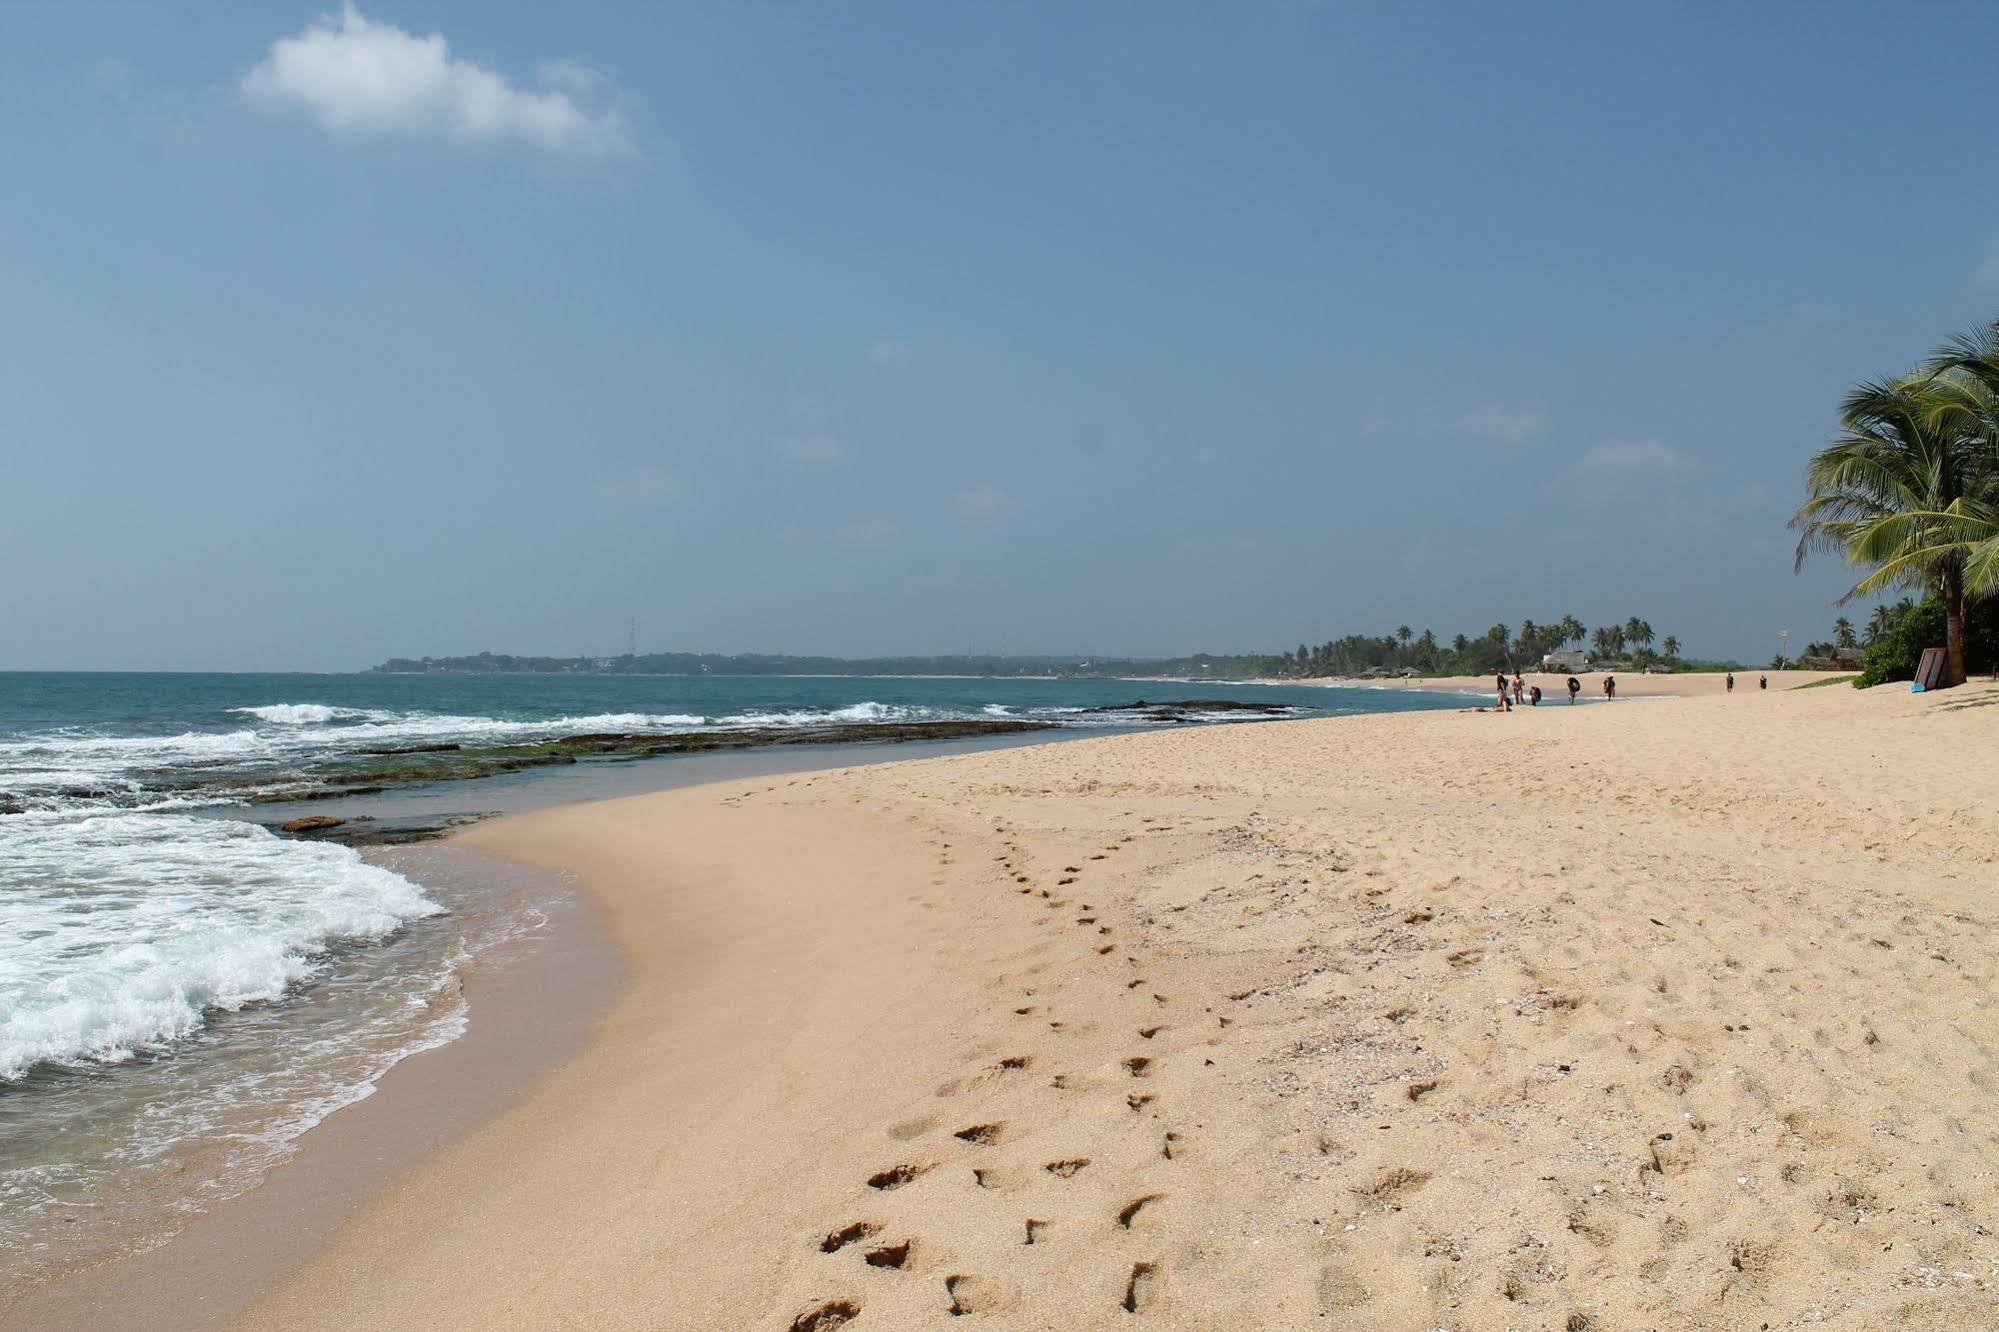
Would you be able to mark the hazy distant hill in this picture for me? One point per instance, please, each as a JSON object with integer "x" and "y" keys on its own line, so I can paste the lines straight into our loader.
{"x": 712, "y": 663}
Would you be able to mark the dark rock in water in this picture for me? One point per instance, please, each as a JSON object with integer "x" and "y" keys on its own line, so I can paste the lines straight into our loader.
{"x": 311, "y": 823}
{"x": 403, "y": 831}
{"x": 441, "y": 748}
{"x": 9, "y": 805}
{"x": 1187, "y": 709}
{"x": 370, "y": 773}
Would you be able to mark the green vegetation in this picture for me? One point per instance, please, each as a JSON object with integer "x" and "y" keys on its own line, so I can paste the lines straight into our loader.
{"x": 1910, "y": 489}
{"x": 1499, "y": 648}
{"x": 1897, "y": 635}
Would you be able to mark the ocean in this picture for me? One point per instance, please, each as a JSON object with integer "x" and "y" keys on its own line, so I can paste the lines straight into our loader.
{"x": 184, "y": 991}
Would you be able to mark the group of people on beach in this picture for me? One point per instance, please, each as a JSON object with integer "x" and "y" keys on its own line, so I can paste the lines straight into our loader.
{"x": 1517, "y": 692}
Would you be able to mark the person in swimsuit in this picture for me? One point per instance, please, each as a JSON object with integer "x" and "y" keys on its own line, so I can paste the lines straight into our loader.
{"x": 1575, "y": 687}
{"x": 1731, "y": 682}
{"x": 1519, "y": 689}
{"x": 1534, "y": 696}
{"x": 1610, "y": 686}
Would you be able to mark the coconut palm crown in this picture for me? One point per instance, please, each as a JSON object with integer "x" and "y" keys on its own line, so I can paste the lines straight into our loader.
{"x": 1907, "y": 488}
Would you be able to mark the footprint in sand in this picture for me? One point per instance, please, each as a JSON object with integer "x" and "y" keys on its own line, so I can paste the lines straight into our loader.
{"x": 983, "y": 1135}
{"x": 894, "y": 1256}
{"x": 1145, "y": 1289}
{"x": 972, "y": 1294}
{"x": 845, "y": 1235}
{"x": 836, "y": 1313}
{"x": 1129, "y": 1212}
{"x": 897, "y": 1176}
{"x": 1067, "y": 1168}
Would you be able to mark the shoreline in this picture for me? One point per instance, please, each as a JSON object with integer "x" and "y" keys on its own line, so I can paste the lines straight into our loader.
{"x": 1255, "y": 1026}
{"x": 536, "y": 995}
{"x": 530, "y": 1003}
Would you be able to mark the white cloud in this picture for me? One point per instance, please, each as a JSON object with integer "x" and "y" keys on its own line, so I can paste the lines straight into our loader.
{"x": 1487, "y": 421}
{"x": 356, "y": 75}
{"x": 1498, "y": 421}
{"x": 642, "y": 483}
{"x": 984, "y": 502}
{"x": 871, "y": 533}
{"x": 1988, "y": 271}
{"x": 111, "y": 73}
{"x": 889, "y": 352}
{"x": 813, "y": 448}
{"x": 1633, "y": 455}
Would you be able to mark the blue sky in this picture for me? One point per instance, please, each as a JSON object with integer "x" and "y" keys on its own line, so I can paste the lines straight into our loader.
{"x": 863, "y": 328}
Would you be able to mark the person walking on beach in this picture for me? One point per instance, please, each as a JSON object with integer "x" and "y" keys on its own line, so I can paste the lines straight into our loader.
{"x": 1610, "y": 686}
{"x": 1505, "y": 703}
{"x": 1762, "y": 682}
{"x": 1519, "y": 689}
{"x": 1731, "y": 682}
{"x": 1575, "y": 687}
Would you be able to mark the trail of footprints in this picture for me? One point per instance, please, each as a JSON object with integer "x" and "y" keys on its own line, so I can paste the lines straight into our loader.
{"x": 884, "y": 1254}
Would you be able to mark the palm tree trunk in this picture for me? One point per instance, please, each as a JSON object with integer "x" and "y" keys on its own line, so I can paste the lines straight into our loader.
{"x": 1953, "y": 619}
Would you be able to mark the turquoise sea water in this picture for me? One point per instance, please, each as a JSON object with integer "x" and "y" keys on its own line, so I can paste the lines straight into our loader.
{"x": 182, "y": 992}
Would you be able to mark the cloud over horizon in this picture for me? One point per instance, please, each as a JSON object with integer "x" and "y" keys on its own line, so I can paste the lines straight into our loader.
{"x": 984, "y": 502}
{"x": 813, "y": 448}
{"x": 1987, "y": 274}
{"x": 1495, "y": 421}
{"x": 1622, "y": 456}
{"x": 889, "y": 352}
{"x": 356, "y": 75}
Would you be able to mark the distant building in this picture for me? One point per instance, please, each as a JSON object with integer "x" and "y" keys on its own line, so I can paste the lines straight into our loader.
{"x": 1569, "y": 661}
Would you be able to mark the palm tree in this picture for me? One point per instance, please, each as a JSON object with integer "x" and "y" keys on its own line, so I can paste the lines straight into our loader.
{"x": 1905, "y": 488}
{"x": 1672, "y": 646}
{"x": 1878, "y": 622}
{"x": 1973, "y": 359}
{"x": 1573, "y": 630}
{"x": 1842, "y": 632}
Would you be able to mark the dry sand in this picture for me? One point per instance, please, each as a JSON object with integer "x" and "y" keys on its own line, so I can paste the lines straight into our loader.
{"x": 1654, "y": 1016}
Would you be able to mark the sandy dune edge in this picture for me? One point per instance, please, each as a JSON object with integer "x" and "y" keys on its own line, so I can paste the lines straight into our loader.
{"x": 1674, "y": 1015}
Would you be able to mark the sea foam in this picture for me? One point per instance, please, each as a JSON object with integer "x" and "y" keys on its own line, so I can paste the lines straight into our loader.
{"x": 179, "y": 917}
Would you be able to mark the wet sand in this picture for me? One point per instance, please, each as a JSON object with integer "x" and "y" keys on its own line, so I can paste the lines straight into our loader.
{"x": 1674, "y": 1016}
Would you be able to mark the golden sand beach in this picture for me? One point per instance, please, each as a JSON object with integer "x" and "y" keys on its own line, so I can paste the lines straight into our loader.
{"x": 1666, "y": 1016}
